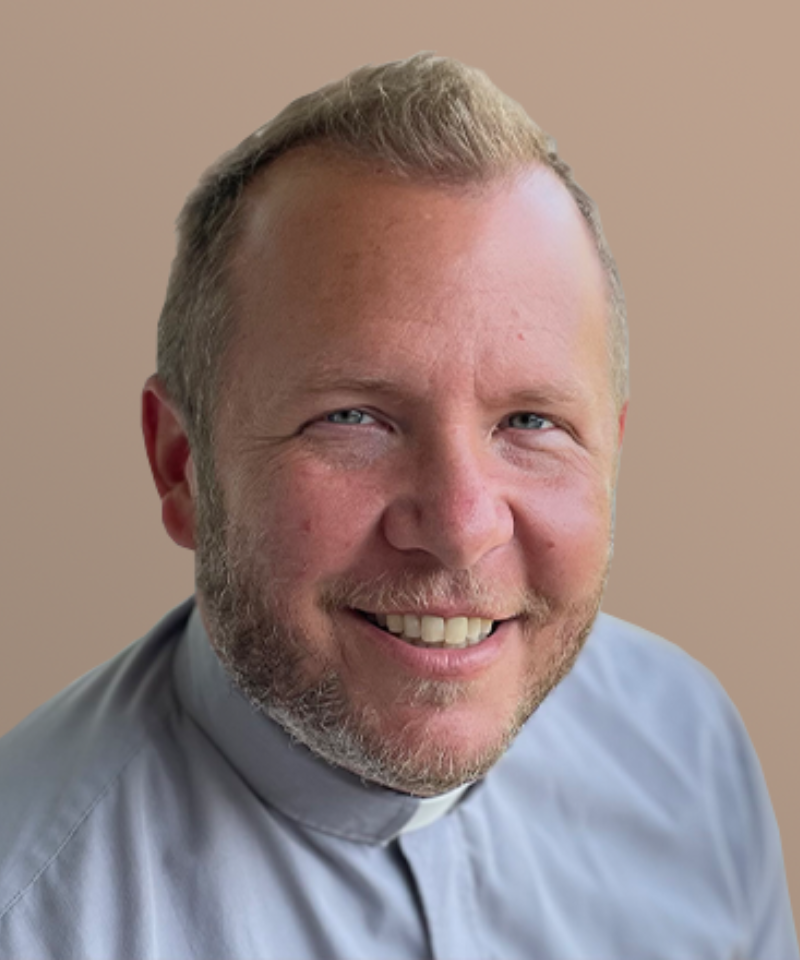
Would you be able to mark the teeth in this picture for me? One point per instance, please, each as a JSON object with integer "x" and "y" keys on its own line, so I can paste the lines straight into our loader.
{"x": 456, "y": 632}
{"x": 432, "y": 629}
{"x": 394, "y": 623}
{"x": 474, "y": 629}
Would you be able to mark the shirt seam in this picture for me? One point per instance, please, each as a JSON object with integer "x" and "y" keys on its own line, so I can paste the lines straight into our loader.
{"x": 81, "y": 820}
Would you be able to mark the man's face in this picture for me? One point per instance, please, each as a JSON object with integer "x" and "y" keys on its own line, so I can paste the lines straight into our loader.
{"x": 417, "y": 424}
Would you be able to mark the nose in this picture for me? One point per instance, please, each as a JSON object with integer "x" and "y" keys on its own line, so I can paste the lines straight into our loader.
{"x": 452, "y": 505}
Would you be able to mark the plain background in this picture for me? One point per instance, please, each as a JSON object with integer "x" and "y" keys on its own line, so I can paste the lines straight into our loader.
{"x": 680, "y": 119}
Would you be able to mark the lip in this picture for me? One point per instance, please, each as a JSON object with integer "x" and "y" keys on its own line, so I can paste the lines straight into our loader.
{"x": 437, "y": 663}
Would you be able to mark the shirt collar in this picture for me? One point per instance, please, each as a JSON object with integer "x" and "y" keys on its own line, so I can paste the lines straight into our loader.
{"x": 283, "y": 773}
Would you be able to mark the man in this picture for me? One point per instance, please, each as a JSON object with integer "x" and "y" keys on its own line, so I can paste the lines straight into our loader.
{"x": 388, "y": 416}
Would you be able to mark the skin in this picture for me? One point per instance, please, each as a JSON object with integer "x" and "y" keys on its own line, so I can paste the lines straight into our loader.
{"x": 417, "y": 417}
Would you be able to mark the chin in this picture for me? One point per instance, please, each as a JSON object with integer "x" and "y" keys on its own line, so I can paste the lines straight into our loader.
{"x": 421, "y": 748}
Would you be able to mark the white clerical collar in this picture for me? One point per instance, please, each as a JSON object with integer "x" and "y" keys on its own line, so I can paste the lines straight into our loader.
{"x": 431, "y": 808}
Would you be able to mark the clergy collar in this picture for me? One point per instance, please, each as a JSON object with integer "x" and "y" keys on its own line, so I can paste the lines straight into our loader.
{"x": 282, "y": 772}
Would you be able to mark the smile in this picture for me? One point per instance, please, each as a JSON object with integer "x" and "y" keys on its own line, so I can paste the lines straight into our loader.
{"x": 423, "y": 630}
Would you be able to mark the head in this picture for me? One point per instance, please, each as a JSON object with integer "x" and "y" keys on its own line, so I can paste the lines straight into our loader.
{"x": 392, "y": 383}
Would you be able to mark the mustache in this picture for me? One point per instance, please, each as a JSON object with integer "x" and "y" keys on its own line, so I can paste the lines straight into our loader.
{"x": 407, "y": 591}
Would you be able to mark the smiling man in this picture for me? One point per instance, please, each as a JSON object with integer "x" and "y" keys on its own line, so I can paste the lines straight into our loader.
{"x": 387, "y": 418}
{"x": 422, "y": 427}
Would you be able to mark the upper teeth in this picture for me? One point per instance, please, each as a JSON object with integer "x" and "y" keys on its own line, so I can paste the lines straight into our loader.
{"x": 451, "y": 631}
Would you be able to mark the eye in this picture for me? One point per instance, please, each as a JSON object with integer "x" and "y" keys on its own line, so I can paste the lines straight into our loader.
{"x": 349, "y": 417}
{"x": 529, "y": 421}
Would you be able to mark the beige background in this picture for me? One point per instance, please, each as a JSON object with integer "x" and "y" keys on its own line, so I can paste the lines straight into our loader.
{"x": 680, "y": 119}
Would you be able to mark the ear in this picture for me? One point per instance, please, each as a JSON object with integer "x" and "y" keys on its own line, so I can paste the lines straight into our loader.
{"x": 623, "y": 417}
{"x": 170, "y": 459}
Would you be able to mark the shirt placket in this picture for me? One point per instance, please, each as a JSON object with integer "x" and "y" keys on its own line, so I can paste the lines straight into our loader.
{"x": 444, "y": 876}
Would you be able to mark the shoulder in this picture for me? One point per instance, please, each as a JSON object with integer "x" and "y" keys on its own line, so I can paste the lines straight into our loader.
{"x": 634, "y": 699}
{"x": 619, "y": 649}
{"x": 647, "y": 703}
{"x": 644, "y": 740}
{"x": 644, "y": 673}
{"x": 60, "y": 762}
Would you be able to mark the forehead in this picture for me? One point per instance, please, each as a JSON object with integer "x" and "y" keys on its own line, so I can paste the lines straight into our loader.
{"x": 337, "y": 261}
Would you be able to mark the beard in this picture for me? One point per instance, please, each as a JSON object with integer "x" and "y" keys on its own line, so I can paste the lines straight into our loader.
{"x": 264, "y": 649}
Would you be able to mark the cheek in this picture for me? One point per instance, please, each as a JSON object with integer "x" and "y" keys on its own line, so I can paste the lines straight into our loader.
{"x": 568, "y": 530}
{"x": 316, "y": 522}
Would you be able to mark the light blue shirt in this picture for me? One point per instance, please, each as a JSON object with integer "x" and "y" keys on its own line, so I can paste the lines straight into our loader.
{"x": 149, "y": 812}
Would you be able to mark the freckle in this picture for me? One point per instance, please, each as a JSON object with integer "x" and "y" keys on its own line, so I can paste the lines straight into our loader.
{"x": 306, "y": 526}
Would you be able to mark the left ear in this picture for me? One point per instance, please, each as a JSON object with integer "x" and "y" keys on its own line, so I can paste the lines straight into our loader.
{"x": 170, "y": 457}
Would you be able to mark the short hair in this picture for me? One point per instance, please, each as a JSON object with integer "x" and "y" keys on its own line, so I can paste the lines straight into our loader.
{"x": 429, "y": 118}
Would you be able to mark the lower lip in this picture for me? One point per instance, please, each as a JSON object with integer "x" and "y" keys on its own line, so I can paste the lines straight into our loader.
{"x": 437, "y": 662}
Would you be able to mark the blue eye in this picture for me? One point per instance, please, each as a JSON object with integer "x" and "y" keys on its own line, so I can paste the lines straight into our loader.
{"x": 349, "y": 417}
{"x": 528, "y": 421}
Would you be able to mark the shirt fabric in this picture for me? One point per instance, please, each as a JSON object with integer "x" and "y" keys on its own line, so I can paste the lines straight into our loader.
{"x": 149, "y": 813}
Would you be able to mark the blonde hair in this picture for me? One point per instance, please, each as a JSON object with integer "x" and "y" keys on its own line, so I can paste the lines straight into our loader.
{"x": 426, "y": 117}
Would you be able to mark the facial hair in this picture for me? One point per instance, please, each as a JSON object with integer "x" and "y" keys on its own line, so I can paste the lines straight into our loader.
{"x": 271, "y": 663}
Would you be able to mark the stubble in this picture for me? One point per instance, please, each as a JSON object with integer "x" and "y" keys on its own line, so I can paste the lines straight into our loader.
{"x": 275, "y": 669}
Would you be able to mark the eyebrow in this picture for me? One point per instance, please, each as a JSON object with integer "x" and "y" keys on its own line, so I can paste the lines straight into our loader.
{"x": 560, "y": 393}
{"x": 334, "y": 383}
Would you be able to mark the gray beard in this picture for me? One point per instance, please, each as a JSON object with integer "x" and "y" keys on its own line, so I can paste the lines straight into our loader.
{"x": 270, "y": 663}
